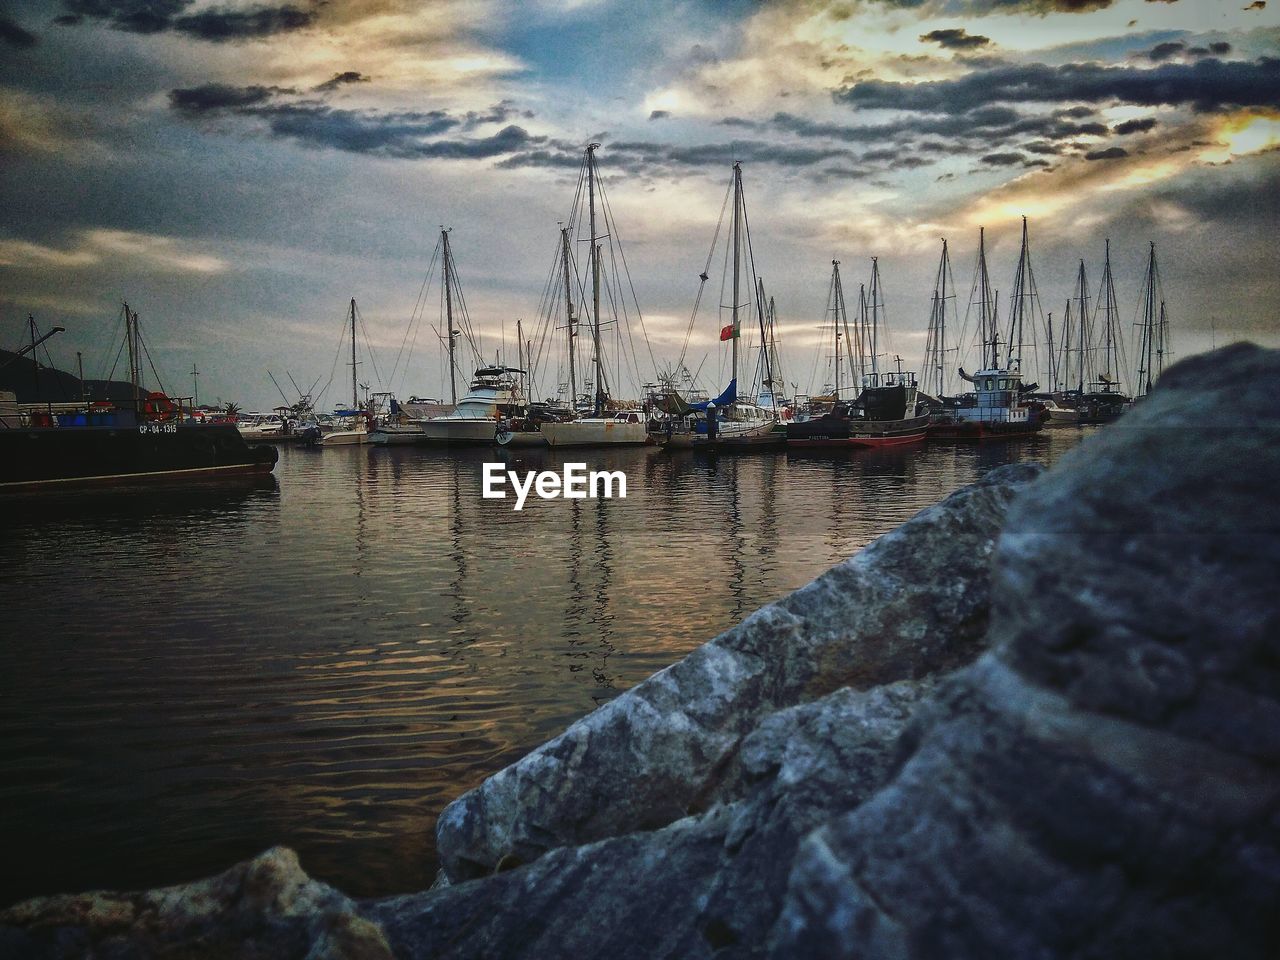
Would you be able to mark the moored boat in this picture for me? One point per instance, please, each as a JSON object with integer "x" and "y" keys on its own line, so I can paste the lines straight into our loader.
{"x": 151, "y": 437}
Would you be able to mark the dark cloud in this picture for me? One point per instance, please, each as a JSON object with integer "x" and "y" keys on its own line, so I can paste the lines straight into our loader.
{"x": 15, "y": 36}
{"x": 218, "y": 97}
{"x": 1205, "y": 85}
{"x": 1135, "y": 126}
{"x": 501, "y": 112}
{"x": 659, "y": 114}
{"x": 402, "y": 135}
{"x": 1043, "y": 147}
{"x": 1111, "y": 153}
{"x": 216, "y": 25}
{"x": 1164, "y": 51}
{"x": 1003, "y": 159}
{"x": 956, "y": 39}
{"x": 340, "y": 79}
{"x": 1257, "y": 5}
{"x": 1220, "y": 47}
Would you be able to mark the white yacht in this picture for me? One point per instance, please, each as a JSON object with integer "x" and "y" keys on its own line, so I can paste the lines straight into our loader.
{"x": 493, "y": 395}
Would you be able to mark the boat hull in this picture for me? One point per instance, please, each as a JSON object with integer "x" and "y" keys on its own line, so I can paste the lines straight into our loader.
{"x": 396, "y": 436}
{"x": 843, "y": 432}
{"x": 730, "y": 436}
{"x": 521, "y": 438}
{"x": 595, "y": 433}
{"x": 459, "y": 430}
{"x": 975, "y": 430}
{"x": 344, "y": 438}
{"x": 59, "y": 457}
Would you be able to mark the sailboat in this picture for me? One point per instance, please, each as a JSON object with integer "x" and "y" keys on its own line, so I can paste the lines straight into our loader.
{"x": 358, "y": 432}
{"x": 493, "y": 392}
{"x": 726, "y": 423}
{"x": 606, "y": 425}
{"x": 1153, "y": 344}
{"x": 995, "y": 408}
{"x": 1104, "y": 400}
{"x": 886, "y": 410}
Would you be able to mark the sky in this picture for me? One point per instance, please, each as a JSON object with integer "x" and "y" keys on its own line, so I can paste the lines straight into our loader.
{"x": 237, "y": 171}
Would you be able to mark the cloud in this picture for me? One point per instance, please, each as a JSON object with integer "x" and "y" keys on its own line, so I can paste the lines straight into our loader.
{"x": 91, "y": 247}
{"x": 215, "y": 25}
{"x": 1003, "y": 159}
{"x": 399, "y": 134}
{"x": 217, "y": 97}
{"x": 1134, "y": 126}
{"x": 15, "y": 36}
{"x": 1164, "y": 51}
{"x": 659, "y": 114}
{"x": 1206, "y": 85}
{"x": 339, "y": 79}
{"x": 1110, "y": 153}
{"x": 955, "y": 39}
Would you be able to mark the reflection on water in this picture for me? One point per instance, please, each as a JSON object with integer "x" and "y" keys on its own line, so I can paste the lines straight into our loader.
{"x": 188, "y": 676}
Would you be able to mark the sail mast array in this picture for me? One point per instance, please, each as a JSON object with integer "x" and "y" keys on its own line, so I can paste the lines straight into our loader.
{"x": 1153, "y": 341}
{"x": 1112, "y": 341}
{"x": 1024, "y": 304}
{"x": 935, "y": 352}
{"x": 604, "y": 300}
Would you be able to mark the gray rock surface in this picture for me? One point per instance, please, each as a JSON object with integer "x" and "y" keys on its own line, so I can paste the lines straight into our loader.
{"x": 912, "y": 603}
{"x": 694, "y": 889}
{"x": 263, "y": 908}
{"x": 1106, "y": 781}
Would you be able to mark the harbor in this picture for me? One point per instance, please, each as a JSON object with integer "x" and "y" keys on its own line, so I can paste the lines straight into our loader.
{"x": 327, "y": 656}
{"x": 669, "y": 481}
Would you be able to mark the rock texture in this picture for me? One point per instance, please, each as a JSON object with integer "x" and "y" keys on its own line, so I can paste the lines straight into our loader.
{"x": 1106, "y": 781}
{"x": 912, "y": 603}
{"x": 1103, "y": 781}
{"x": 264, "y": 908}
{"x": 679, "y": 891}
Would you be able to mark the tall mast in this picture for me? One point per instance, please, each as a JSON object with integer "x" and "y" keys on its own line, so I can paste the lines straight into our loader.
{"x": 355, "y": 390}
{"x": 876, "y": 303}
{"x": 1064, "y": 365}
{"x": 1147, "y": 349}
{"x": 1164, "y": 341}
{"x": 448, "y": 313}
{"x": 1053, "y": 370}
{"x": 863, "y": 333}
{"x": 1084, "y": 341}
{"x": 568, "y": 308}
{"x": 737, "y": 266}
{"x": 766, "y": 340}
{"x": 1024, "y": 291}
{"x": 1108, "y": 305}
{"x": 520, "y": 355}
{"x": 987, "y": 320}
{"x": 935, "y": 350}
{"x": 130, "y": 336}
{"x": 595, "y": 279}
{"x": 943, "y": 269}
{"x": 836, "y": 297}
{"x": 35, "y": 364}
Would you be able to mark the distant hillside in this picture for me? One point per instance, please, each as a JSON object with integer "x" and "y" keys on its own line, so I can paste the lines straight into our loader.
{"x": 20, "y": 374}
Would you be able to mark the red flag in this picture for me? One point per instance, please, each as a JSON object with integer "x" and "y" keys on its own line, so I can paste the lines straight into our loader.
{"x": 727, "y": 332}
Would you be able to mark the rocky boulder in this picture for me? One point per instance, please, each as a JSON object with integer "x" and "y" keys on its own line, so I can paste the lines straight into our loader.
{"x": 1106, "y": 781}
{"x": 264, "y": 908}
{"x": 912, "y": 603}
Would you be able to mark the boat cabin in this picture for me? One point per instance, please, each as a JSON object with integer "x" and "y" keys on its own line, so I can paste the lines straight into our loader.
{"x": 997, "y": 398}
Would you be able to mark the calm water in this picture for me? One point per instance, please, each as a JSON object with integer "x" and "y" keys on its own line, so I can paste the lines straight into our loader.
{"x": 326, "y": 659}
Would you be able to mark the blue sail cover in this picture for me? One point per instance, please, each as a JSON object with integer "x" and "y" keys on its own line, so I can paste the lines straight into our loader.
{"x": 729, "y": 396}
